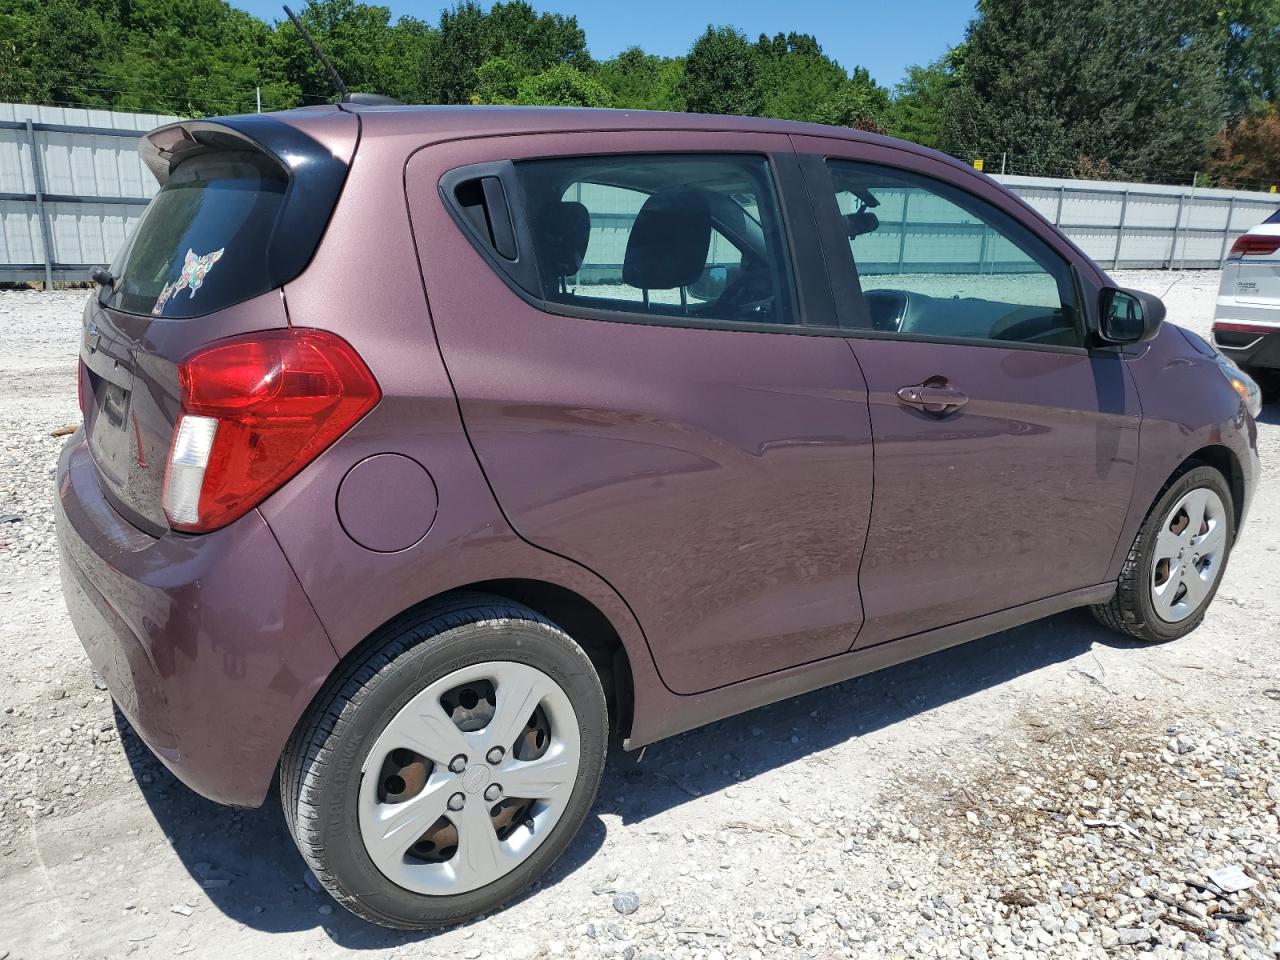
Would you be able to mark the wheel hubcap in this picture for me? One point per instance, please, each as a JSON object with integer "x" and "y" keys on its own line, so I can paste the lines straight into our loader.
{"x": 1189, "y": 551}
{"x": 469, "y": 778}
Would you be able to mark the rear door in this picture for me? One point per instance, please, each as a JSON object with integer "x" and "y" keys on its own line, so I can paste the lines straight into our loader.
{"x": 645, "y": 354}
{"x": 1005, "y": 450}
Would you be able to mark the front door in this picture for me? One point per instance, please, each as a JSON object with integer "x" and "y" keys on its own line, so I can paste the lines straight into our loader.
{"x": 1004, "y": 450}
{"x": 645, "y": 357}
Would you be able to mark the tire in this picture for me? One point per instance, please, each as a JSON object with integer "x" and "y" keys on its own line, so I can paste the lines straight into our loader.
{"x": 1133, "y": 610}
{"x": 336, "y": 811}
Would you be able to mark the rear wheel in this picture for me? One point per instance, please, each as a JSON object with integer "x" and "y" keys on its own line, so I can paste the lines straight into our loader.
{"x": 1176, "y": 562}
{"x": 447, "y": 768}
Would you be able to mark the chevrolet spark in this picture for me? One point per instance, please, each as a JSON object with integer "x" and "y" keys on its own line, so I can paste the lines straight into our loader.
{"x": 425, "y": 448}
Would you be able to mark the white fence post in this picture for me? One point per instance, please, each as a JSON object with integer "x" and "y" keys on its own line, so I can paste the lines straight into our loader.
{"x": 37, "y": 181}
{"x": 1124, "y": 212}
{"x": 1226, "y": 231}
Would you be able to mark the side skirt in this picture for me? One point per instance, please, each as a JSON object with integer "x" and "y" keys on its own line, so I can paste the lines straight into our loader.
{"x": 683, "y": 713}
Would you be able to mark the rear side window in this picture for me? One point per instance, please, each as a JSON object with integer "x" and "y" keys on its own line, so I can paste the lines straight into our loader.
{"x": 935, "y": 261}
{"x": 202, "y": 243}
{"x": 695, "y": 237}
{"x": 1274, "y": 218}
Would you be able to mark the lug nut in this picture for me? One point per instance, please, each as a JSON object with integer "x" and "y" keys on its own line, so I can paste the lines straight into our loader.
{"x": 456, "y": 801}
{"x": 458, "y": 763}
{"x": 494, "y": 756}
{"x": 494, "y": 792}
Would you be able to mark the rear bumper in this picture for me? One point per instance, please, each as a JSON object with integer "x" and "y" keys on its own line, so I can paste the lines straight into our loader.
{"x": 1250, "y": 336}
{"x": 207, "y": 644}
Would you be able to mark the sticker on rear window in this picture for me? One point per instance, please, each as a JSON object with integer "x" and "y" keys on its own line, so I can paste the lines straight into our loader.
{"x": 194, "y": 269}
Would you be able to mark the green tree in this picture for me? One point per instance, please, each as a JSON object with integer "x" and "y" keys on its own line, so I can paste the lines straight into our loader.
{"x": 919, "y": 103}
{"x": 468, "y": 37}
{"x": 562, "y": 86}
{"x": 368, "y": 52}
{"x": 859, "y": 103}
{"x": 54, "y": 51}
{"x": 641, "y": 81}
{"x": 1249, "y": 31}
{"x": 796, "y": 78}
{"x": 1130, "y": 87}
{"x": 722, "y": 74}
{"x": 497, "y": 81}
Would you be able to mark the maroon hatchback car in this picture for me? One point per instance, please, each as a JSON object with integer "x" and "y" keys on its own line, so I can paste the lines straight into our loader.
{"x": 424, "y": 447}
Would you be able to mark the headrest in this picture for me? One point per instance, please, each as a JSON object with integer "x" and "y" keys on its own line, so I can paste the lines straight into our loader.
{"x": 563, "y": 228}
{"x": 669, "y": 241}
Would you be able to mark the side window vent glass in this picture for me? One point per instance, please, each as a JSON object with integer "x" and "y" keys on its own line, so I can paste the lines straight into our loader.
{"x": 483, "y": 203}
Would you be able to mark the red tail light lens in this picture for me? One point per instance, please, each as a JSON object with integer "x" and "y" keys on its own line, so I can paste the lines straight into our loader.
{"x": 1251, "y": 245}
{"x": 256, "y": 410}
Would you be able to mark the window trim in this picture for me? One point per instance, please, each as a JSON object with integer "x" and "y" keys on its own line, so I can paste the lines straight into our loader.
{"x": 846, "y": 278}
{"x": 808, "y": 285}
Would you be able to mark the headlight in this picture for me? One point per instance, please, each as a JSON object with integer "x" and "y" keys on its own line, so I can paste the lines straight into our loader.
{"x": 1242, "y": 384}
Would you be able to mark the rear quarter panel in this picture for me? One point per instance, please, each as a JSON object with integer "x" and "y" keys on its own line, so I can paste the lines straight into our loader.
{"x": 364, "y": 285}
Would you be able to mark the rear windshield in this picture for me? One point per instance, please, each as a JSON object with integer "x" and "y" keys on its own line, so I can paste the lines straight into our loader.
{"x": 202, "y": 243}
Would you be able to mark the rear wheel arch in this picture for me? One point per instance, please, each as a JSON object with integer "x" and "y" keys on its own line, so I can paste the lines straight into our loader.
{"x": 590, "y": 629}
{"x": 577, "y": 616}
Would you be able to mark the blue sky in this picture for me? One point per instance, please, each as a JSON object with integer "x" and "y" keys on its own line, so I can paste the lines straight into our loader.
{"x": 883, "y": 37}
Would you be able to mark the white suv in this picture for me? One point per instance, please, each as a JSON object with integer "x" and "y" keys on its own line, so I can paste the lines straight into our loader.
{"x": 1246, "y": 325}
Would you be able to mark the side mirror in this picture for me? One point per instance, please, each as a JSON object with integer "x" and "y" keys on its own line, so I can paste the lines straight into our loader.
{"x": 1129, "y": 316}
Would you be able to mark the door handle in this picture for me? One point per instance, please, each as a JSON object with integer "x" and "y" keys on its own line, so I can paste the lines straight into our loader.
{"x": 933, "y": 396}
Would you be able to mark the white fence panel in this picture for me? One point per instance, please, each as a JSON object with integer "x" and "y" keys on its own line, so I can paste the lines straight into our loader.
{"x": 85, "y": 189}
{"x": 1146, "y": 225}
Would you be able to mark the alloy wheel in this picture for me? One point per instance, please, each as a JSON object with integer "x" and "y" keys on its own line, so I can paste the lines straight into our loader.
{"x": 469, "y": 778}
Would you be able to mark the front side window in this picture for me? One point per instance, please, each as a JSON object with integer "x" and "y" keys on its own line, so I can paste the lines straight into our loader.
{"x": 935, "y": 261}
{"x": 696, "y": 237}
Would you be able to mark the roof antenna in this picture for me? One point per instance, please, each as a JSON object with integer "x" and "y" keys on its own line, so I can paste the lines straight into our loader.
{"x": 315, "y": 48}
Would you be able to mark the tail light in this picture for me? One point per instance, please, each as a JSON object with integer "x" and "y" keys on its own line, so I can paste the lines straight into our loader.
{"x": 256, "y": 410}
{"x": 1252, "y": 245}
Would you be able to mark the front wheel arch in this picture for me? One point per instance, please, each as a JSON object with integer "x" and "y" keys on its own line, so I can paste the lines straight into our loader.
{"x": 1224, "y": 460}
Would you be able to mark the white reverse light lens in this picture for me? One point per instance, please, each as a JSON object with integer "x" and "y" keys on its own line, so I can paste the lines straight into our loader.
{"x": 187, "y": 462}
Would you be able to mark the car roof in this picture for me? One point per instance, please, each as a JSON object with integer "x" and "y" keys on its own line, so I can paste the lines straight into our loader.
{"x": 450, "y": 122}
{"x": 467, "y": 120}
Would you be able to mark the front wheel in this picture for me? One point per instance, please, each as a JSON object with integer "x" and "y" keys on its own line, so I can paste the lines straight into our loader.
{"x": 446, "y": 769}
{"x": 1176, "y": 562}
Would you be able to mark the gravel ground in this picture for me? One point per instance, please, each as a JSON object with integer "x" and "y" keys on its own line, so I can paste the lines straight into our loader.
{"x": 1052, "y": 791}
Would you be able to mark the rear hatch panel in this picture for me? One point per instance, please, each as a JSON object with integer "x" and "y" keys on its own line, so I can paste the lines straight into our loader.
{"x": 243, "y": 205}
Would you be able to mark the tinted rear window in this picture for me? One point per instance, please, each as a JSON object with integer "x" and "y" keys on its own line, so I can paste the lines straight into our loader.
{"x": 1274, "y": 218}
{"x": 202, "y": 243}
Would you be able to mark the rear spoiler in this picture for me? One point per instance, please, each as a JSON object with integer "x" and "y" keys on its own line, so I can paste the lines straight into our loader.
{"x": 315, "y": 175}
{"x": 165, "y": 147}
